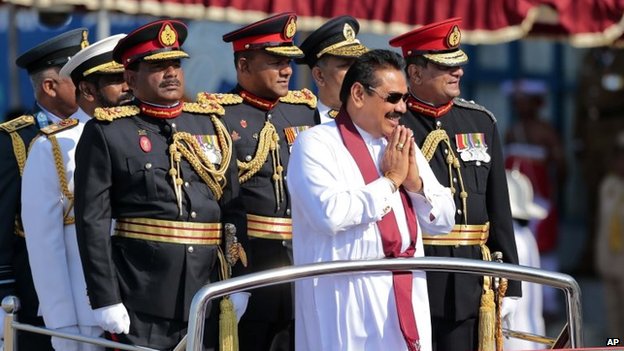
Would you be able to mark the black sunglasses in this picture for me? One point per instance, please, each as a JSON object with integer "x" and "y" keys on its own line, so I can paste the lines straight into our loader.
{"x": 392, "y": 97}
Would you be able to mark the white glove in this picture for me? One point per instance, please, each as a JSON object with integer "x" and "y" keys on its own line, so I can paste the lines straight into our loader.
{"x": 113, "y": 319}
{"x": 62, "y": 344}
{"x": 240, "y": 300}
{"x": 508, "y": 310}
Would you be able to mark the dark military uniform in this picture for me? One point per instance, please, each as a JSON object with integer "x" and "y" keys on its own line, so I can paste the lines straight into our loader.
{"x": 167, "y": 176}
{"x": 15, "y": 136}
{"x": 487, "y": 201}
{"x": 122, "y": 173}
{"x": 268, "y": 208}
{"x": 263, "y": 132}
{"x": 461, "y": 141}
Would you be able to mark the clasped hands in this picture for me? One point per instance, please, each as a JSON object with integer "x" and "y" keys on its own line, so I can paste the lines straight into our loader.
{"x": 399, "y": 160}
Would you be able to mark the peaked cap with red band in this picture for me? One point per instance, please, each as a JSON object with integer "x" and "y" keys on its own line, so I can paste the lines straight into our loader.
{"x": 273, "y": 35}
{"x": 437, "y": 42}
{"x": 155, "y": 41}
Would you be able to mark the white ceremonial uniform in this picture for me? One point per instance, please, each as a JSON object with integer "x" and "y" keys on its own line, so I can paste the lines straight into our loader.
{"x": 334, "y": 218}
{"x": 52, "y": 246}
{"x": 323, "y": 111}
{"x": 528, "y": 316}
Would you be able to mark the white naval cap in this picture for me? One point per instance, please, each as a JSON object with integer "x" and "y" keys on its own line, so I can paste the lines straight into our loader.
{"x": 95, "y": 58}
{"x": 521, "y": 197}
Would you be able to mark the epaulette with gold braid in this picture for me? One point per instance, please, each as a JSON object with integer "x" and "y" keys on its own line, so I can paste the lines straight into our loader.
{"x": 112, "y": 113}
{"x": 204, "y": 107}
{"x": 221, "y": 99}
{"x": 303, "y": 97}
{"x": 60, "y": 126}
{"x": 473, "y": 106}
{"x": 17, "y": 123}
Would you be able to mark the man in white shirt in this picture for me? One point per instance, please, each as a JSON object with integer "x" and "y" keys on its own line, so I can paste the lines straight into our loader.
{"x": 361, "y": 189}
{"x": 47, "y": 197}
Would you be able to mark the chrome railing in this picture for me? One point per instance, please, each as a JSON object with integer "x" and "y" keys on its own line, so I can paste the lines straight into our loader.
{"x": 562, "y": 281}
{"x": 194, "y": 339}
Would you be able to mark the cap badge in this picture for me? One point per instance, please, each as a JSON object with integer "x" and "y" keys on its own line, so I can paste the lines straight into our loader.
{"x": 85, "y": 39}
{"x": 167, "y": 35}
{"x": 454, "y": 37}
{"x": 348, "y": 32}
{"x": 291, "y": 28}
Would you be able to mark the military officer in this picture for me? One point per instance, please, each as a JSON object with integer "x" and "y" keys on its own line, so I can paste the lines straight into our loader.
{"x": 55, "y": 100}
{"x": 48, "y": 176}
{"x": 461, "y": 141}
{"x": 163, "y": 169}
{"x": 329, "y": 52}
{"x": 264, "y": 118}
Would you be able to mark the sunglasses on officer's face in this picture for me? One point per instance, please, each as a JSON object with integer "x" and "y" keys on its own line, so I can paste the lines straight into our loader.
{"x": 392, "y": 97}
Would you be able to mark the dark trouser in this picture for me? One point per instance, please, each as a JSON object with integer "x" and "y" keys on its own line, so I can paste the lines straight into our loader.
{"x": 162, "y": 333}
{"x": 265, "y": 336}
{"x": 30, "y": 341}
{"x": 450, "y": 335}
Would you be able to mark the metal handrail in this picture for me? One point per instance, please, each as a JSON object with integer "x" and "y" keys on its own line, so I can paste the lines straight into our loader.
{"x": 561, "y": 281}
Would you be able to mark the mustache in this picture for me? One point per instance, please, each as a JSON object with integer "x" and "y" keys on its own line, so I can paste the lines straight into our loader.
{"x": 393, "y": 115}
{"x": 167, "y": 82}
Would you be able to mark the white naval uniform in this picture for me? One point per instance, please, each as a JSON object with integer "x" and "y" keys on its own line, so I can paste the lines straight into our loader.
{"x": 52, "y": 246}
{"x": 323, "y": 111}
{"x": 334, "y": 218}
{"x": 528, "y": 315}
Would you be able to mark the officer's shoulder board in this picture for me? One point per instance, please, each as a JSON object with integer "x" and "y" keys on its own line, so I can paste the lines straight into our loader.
{"x": 65, "y": 124}
{"x": 205, "y": 107}
{"x": 221, "y": 99}
{"x": 473, "y": 106}
{"x": 112, "y": 113}
{"x": 17, "y": 123}
{"x": 300, "y": 97}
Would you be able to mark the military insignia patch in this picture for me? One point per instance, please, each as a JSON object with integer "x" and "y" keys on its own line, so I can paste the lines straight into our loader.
{"x": 291, "y": 28}
{"x": 454, "y": 37}
{"x": 292, "y": 132}
{"x": 209, "y": 144}
{"x": 167, "y": 35}
{"x": 145, "y": 143}
{"x": 472, "y": 147}
{"x": 243, "y": 123}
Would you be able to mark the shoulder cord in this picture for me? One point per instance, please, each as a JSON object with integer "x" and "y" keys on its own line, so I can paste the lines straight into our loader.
{"x": 60, "y": 171}
{"x": 428, "y": 149}
{"x": 19, "y": 150}
{"x": 268, "y": 140}
{"x": 185, "y": 145}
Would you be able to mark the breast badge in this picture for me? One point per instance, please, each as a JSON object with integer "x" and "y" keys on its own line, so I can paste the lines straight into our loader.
{"x": 210, "y": 146}
{"x": 472, "y": 147}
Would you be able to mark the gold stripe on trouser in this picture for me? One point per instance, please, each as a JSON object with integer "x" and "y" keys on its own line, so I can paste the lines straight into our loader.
{"x": 269, "y": 227}
{"x": 460, "y": 235}
{"x": 169, "y": 231}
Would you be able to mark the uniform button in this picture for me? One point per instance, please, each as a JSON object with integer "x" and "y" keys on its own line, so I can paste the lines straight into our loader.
{"x": 446, "y": 151}
{"x": 438, "y": 124}
{"x": 190, "y": 249}
{"x": 284, "y": 243}
{"x": 478, "y": 163}
{"x": 288, "y": 212}
{"x": 248, "y": 158}
{"x": 173, "y": 125}
{"x": 148, "y": 165}
{"x": 193, "y": 214}
{"x": 459, "y": 212}
{"x": 454, "y": 180}
{"x": 186, "y": 184}
{"x": 269, "y": 116}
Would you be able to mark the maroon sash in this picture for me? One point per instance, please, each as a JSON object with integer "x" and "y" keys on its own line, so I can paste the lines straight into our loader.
{"x": 390, "y": 235}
